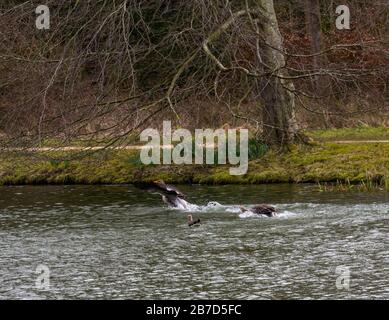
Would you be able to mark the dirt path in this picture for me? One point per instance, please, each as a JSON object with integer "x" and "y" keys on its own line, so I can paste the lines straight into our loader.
{"x": 357, "y": 141}
{"x": 74, "y": 148}
{"x": 80, "y": 148}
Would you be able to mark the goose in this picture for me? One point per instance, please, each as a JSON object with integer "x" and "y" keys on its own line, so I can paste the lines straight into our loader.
{"x": 261, "y": 209}
{"x": 173, "y": 197}
{"x": 192, "y": 222}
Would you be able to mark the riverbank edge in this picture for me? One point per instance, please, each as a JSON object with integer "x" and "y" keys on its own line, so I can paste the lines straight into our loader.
{"x": 348, "y": 164}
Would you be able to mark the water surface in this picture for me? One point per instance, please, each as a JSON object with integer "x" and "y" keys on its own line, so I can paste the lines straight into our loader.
{"x": 119, "y": 242}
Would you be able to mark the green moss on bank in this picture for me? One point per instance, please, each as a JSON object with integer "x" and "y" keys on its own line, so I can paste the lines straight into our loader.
{"x": 351, "y": 134}
{"x": 327, "y": 162}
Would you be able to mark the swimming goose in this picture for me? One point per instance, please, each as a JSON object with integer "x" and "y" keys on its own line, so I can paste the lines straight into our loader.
{"x": 261, "y": 209}
{"x": 173, "y": 198}
{"x": 192, "y": 222}
{"x": 170, "y": 195}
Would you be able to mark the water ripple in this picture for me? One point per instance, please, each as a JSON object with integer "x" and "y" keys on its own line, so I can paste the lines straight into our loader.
{"x": 115, "y": 242}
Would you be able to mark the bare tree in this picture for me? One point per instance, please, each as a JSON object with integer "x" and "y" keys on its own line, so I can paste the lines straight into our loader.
{"x": 105, "y": 69}
{"x": 313, "y": 22}
{"x": 280, "y": 125}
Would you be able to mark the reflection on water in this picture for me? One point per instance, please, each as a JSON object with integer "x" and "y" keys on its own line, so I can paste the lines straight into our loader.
{"x": 120, "y": 242}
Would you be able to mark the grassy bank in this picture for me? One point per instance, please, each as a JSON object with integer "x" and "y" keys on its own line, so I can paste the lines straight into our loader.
{"x": 346, "y": 164}
{"x": 350, "y": 134}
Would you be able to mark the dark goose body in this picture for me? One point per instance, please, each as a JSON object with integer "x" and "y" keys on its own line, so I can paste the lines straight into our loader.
{"x": 170, "y": 195}
{"x": 262, "y": 209}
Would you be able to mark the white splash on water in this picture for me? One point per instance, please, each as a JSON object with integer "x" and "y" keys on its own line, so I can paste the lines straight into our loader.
{"x": 185, "y": 205}
{"x": 284, "y": 210}
{"x": 248, "y": 214}
{"x": 214, "y": 207}
{"x": 286, "y": 214}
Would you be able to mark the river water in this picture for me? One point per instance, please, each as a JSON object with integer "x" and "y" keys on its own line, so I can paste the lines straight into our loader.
{"x": 118, "y": 242}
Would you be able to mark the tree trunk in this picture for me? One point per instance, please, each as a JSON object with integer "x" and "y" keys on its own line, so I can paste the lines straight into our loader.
{"x": 312, "y": 16}
{"x": 313, "y": 23}
{"x": 279, "y": 121}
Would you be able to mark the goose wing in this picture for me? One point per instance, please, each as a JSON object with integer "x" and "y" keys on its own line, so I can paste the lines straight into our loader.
{"x": 264, "y": 209}
{"x": 162, "y": 186}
